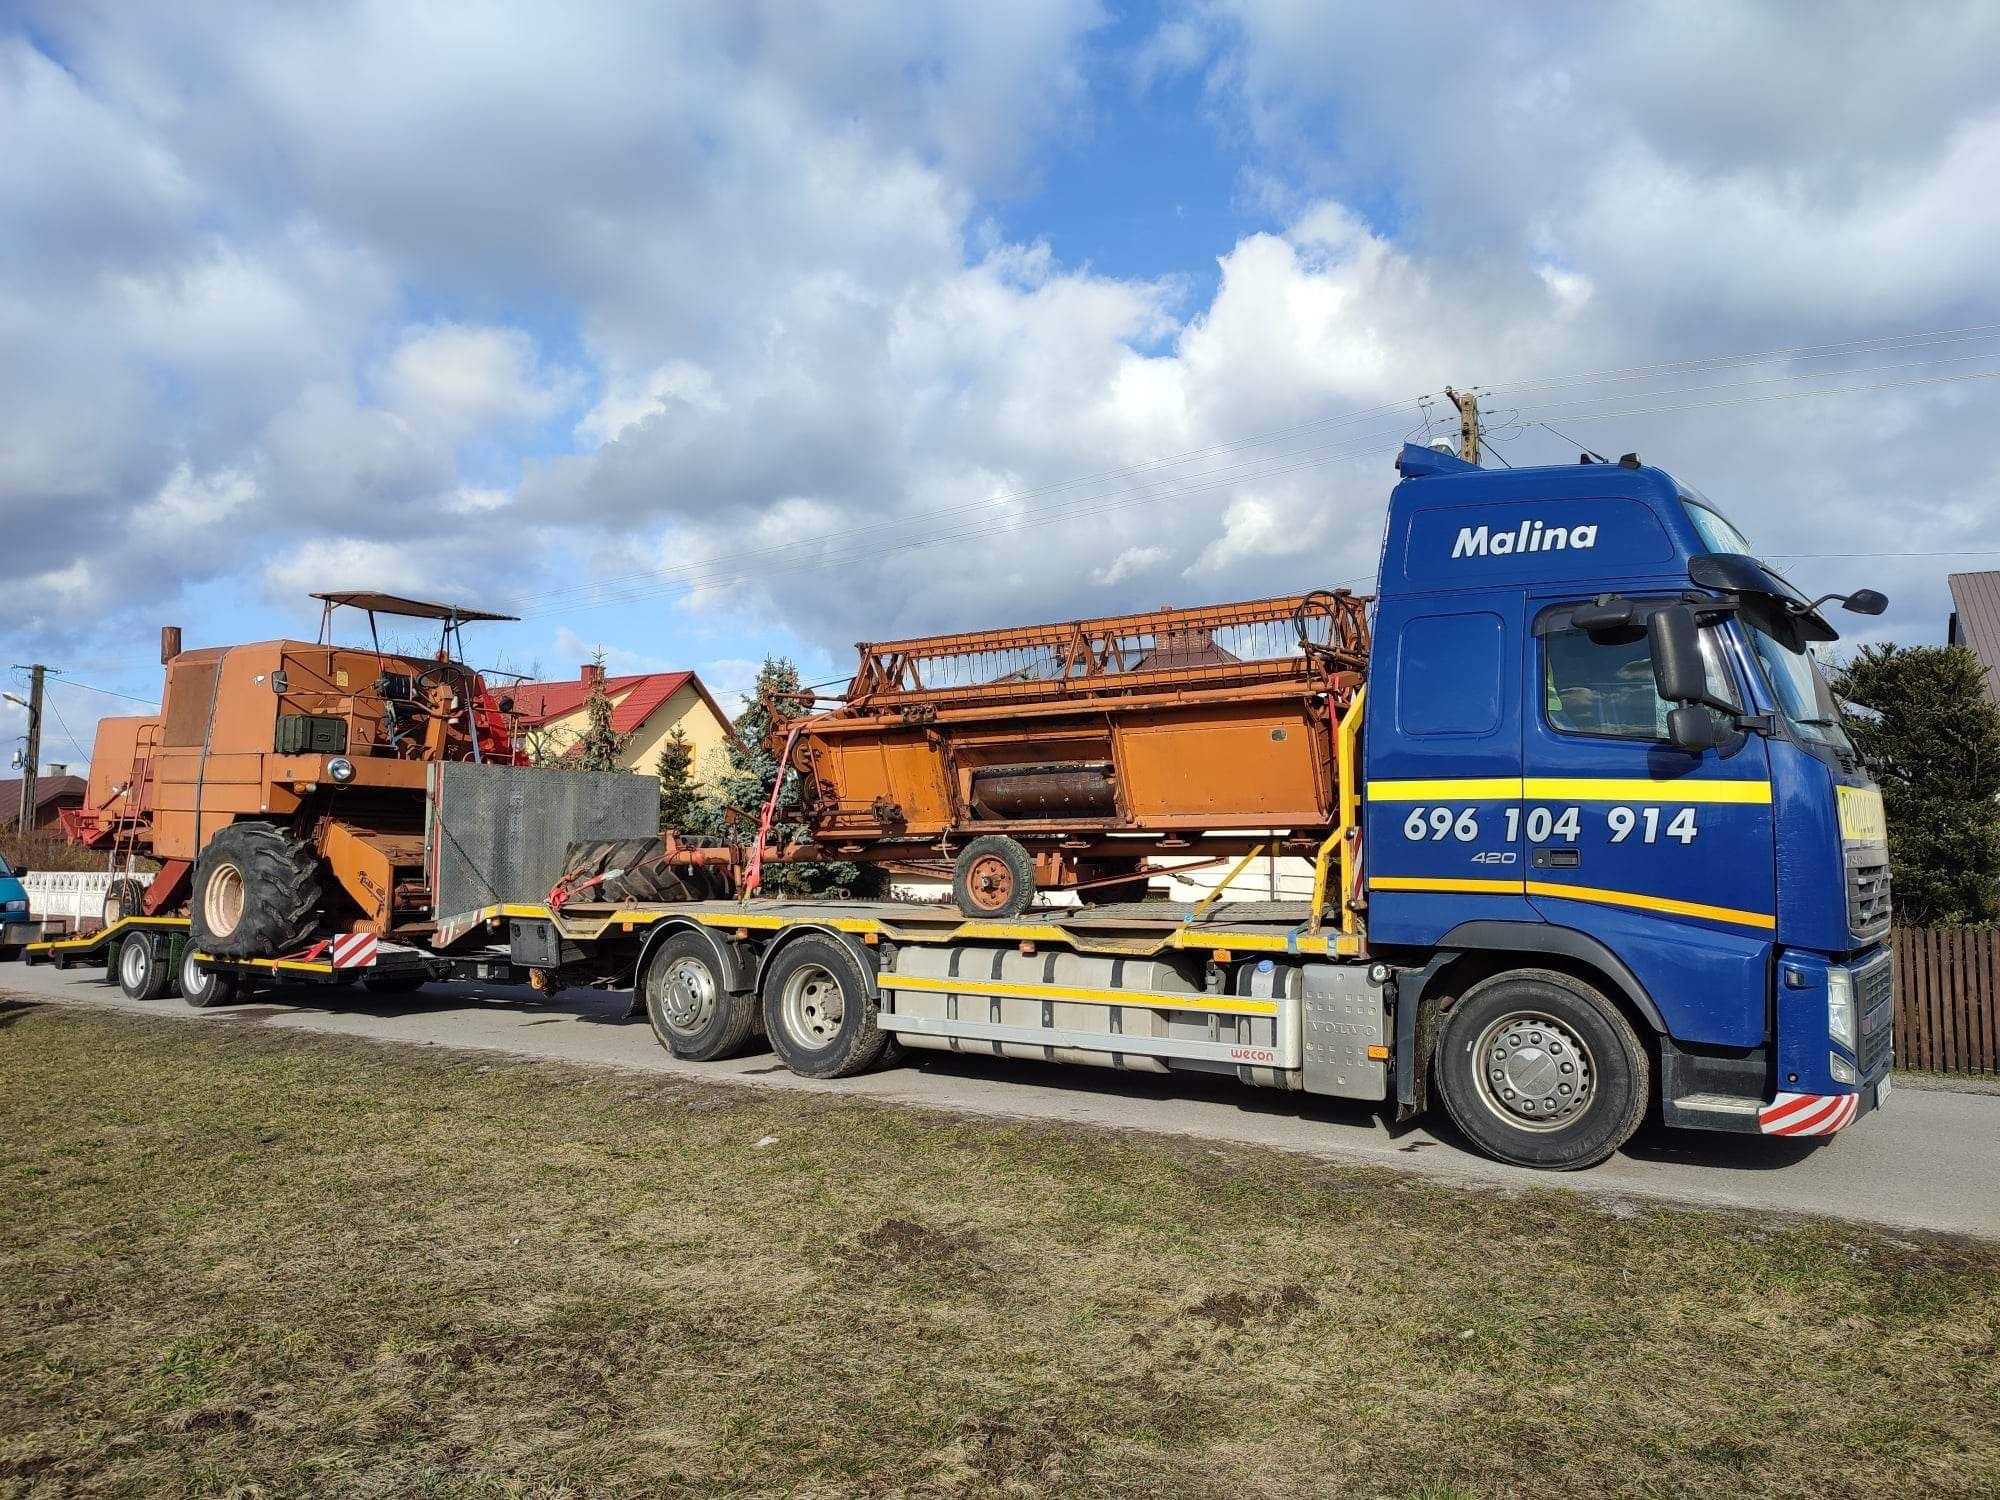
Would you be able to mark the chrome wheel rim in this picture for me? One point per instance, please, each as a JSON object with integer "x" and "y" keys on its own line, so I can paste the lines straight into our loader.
{"x": 813, "y": 1007}
{"x": 686, "y": 991}
{"x": 1534, "y": 1072}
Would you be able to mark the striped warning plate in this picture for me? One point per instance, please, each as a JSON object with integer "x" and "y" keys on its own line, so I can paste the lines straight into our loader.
{"x": 1808, "y": 1114}
{"x": 355, "y": 950}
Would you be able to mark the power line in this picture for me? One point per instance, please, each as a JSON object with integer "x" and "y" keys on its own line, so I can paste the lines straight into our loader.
{"x": 111, "y": 693}
{"x": 81, "y": 754}
{"x": 1845, "y": 390}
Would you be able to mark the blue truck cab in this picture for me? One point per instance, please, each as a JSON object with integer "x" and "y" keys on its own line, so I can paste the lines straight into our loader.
{"x": 1613, "y": 830}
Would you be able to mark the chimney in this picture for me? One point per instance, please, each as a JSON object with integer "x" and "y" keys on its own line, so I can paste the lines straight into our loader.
{"x": 56, "y": 768}
{"x": 592, "y": 672}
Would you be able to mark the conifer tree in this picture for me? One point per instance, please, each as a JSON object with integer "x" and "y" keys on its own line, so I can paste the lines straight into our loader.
{"x": 1934, "y": 745}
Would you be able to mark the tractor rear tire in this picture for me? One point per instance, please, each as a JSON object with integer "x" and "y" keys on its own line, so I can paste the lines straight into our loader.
{"x": 993, "y": 878}
{"x": 642, "y": 874}
{"x": 124, "y": 898}
{"x": 256, "y": 892}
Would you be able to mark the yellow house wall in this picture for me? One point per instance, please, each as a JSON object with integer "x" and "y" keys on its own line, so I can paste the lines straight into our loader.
{"x": 687, "y": 709}
{"x": 696, "y": 720}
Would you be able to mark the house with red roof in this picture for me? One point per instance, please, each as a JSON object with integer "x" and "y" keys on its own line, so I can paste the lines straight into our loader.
{"x": 646, "y": 709}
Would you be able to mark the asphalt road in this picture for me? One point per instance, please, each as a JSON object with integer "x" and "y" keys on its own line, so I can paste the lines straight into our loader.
{"x": 1930, "y": 1159}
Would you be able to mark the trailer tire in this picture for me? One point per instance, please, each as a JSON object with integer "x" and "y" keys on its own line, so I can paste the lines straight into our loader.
{"x": 256, "y": 891}
{"x": 203, "y": 988}
{"x": 1541, "y": 1070}
{"x": 819, "y": 1009}
{"x": 122, "y": 899}
{"x": 143, "y": 971}
{"x": 993, "y": 878}
{"x": 685, "y": 991}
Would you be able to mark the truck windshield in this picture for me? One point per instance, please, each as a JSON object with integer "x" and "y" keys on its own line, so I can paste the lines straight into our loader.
{"x": 1799, "y": 690}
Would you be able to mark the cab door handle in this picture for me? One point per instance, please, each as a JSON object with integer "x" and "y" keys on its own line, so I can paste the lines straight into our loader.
{"x": 1557, "y": 859}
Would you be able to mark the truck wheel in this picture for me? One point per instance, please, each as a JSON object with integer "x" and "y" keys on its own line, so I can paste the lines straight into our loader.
{"x": 688, "y": 1001}
{"x": 124, "y": 898}
{"x": 818, "y": 1011}
{"x": 202, "y": 987}
{"x": 143, "y": 971}
{"x": 256, "y": 891}
{"x": 994, "y": 877}
{"x": 1541, "y": 1070}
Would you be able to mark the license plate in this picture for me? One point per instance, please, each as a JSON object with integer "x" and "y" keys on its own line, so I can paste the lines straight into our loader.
{"x": 1881, "y": 1093}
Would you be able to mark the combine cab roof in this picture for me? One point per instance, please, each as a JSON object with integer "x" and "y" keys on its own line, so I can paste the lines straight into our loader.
{"x": 415, "y": 609}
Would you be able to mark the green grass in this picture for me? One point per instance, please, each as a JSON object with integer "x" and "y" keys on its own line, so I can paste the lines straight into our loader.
{"x": 241, "y": 1261}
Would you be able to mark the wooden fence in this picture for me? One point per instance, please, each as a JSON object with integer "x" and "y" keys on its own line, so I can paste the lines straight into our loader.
{"x": 1948, "y": 999}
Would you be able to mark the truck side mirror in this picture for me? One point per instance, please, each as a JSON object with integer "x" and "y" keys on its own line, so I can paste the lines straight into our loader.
{"x": 1865, "y": 602}
{"x": 1678, "y": 670}
{"x": 1695, "y": 727}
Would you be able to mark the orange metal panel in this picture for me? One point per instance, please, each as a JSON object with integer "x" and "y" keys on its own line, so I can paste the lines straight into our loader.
{"x": 1252, "y": 768}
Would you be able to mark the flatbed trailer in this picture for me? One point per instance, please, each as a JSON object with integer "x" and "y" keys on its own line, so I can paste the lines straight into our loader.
{"x": 149, "y": 957}
{"x": 1249, "y": 989}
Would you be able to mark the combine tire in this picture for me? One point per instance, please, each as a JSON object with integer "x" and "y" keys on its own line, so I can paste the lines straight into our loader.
{"x": 143, "y": 971}
{"x": 202, "y": 987}
{"x": 993, "y": 878}
{"x": 125, "y": 898}
{"x": 629, "y": 870}
{"x": 256, "y": 891}
{"x": 818, "y": 1011}
{"x": 686, "y": 993}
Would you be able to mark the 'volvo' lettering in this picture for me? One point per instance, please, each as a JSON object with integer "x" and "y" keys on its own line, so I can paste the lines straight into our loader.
{"x": 1529, "y": 536}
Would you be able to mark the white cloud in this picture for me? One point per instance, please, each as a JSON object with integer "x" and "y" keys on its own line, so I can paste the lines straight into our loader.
{"x": 529, "y": 299}
{"x": 455, "y": 380}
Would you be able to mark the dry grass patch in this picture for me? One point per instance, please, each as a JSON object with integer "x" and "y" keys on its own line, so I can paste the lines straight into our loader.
{"x": 242, "y": 1261}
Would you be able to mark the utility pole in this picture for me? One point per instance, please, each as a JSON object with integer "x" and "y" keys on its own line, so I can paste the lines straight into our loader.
{"x": 1467, "y": 403}
{"x": 34, "y": 756}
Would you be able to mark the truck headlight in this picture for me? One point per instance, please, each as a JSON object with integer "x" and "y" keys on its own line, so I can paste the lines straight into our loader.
{"x": 13, "y": 905}
{"x": 340, "y": 769}
{"x": 1841, "y": 1069}
{"x": 1840, "y": 1007}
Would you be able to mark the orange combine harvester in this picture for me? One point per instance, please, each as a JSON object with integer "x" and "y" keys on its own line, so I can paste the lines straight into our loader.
{"x": 281, "y": 787}
{"x": 1069, "y": 755}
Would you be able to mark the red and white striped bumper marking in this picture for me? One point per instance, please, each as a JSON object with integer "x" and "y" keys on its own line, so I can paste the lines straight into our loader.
{"x": 355, "y": 950}
{"x": 1808, "y": 1114}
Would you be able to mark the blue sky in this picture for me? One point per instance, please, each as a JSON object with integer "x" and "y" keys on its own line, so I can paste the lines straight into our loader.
{"x": 703, "y": 332}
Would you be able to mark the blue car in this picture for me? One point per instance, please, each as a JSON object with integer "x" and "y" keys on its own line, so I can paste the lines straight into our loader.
{"x": 14, "y": 930}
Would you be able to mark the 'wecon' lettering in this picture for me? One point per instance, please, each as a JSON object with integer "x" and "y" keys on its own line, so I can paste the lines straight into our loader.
{"x": 1529, "y": 536}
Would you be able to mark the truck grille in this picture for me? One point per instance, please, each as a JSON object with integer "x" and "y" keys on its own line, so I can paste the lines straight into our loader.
{"x": 1875, "y": 1004}
{"x": 1867, "y": 892}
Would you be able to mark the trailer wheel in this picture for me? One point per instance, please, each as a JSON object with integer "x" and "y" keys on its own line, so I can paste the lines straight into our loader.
{"x": 1541, "y": 1070}
{"x": 689, "y": 1002}
{"x": 818, "y": 1011}
{"x": 993, "y": 877}
{"x": 256, "y": 890}
{"x": 124, "y": 898}
{"x": 202, "y": 987}
{"x": 143, "y": 971}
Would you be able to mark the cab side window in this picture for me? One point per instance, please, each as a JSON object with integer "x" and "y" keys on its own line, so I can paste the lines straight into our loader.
{"x": 1601, "y": 682}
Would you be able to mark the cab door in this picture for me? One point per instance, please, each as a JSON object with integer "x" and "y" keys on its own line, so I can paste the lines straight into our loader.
{"x": 1664, "y": 855}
